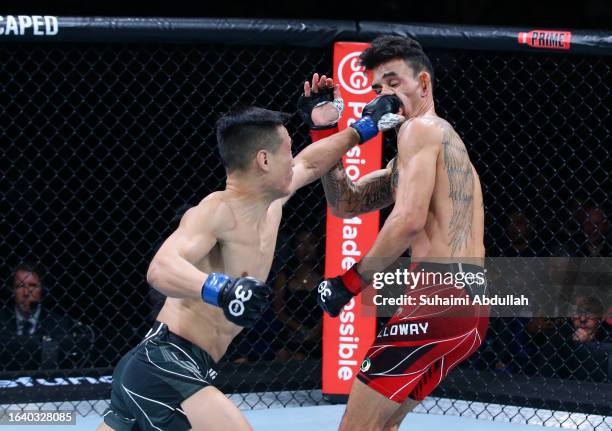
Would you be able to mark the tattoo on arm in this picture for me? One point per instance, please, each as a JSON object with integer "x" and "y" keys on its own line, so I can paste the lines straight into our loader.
{"x": 461, "y": 182}
{"x": 370, "y": 193}
{"x": 394, "y": 173}
{"x": 335, "y": 185}
{"x": 375, "y": 194}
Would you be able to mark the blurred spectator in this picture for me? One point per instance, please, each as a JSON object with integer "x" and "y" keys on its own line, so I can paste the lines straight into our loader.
{"x": 27, "y": 294}
{"x": 587, "y": 320}
{"x": 607, "y": 326}
{"x": 571, "y": 349}
{"x": 594, "y": 228}
{"x": 33, "y": 337}
{"x": 551, "y": 346}
{"x": 295, "y": 302}
{"x": 520, "y": 234}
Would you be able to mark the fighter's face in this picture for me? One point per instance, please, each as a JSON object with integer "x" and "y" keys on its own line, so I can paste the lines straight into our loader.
{"x": 281, "y": 164}
{"x": 397, "y": 77}
{"x": 27, "y": 289}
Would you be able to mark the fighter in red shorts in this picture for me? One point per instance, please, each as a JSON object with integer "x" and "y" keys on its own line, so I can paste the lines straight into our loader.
{"x": 438, "y": 214}
{"x": 438, "y": 328}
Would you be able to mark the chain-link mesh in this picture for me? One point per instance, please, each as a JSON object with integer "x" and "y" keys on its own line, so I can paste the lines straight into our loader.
{"x": 105, "y": 146}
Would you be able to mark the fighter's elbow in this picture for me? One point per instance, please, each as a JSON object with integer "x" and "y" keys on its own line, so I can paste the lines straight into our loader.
{"x": 155, "y": 273}
{"x": 412, "y": 228}
{"x": 408, "y": 225}
{"x": 341, "y": 212}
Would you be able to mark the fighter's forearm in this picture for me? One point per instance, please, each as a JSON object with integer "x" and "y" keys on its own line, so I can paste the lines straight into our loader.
{"x": 339, "y": 190}
{"x": 371, "y": 192}
{"x": 319, "y": 157}
{"x": 392, "y": 241}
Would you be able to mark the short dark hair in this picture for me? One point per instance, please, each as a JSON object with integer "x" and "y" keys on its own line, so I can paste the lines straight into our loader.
{"x": 28, "y": 267}
{"x": 387, "y": 48}
{"x": 592, "y": 305}
{"x": 242, "y": 133}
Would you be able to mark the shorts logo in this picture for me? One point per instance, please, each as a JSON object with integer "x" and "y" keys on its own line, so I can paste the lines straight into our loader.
{"x": 236, "y": 306}
{"x": 352, "y": 75}
{"x": 365, "y": 365}
{"x": 324, "y": 291}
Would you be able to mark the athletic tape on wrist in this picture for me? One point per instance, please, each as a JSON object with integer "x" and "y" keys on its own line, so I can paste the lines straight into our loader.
{"x": 318, "y": 134}
{"x": 366, "y": 128}
{"x": 353, "y": 281}
{"x": 212, "y": 286}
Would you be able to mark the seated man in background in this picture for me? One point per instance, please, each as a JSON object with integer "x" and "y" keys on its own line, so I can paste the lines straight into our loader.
{"x": 587, "y": 320}
{"x": 34, "y": 337}
{"x": 573, "y": 350}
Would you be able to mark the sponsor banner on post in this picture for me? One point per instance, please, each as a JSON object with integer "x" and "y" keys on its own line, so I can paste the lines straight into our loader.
{"x": 347, "y": 337}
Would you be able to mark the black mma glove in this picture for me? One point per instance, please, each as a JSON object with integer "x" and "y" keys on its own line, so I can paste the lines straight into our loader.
{"x": 243, "y": 299}
{"x": 378, "y": 115}
{"x": 334, "y": 293}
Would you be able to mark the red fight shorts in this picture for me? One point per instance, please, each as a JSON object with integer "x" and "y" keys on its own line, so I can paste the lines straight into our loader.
{"x": 423, "y": 342}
